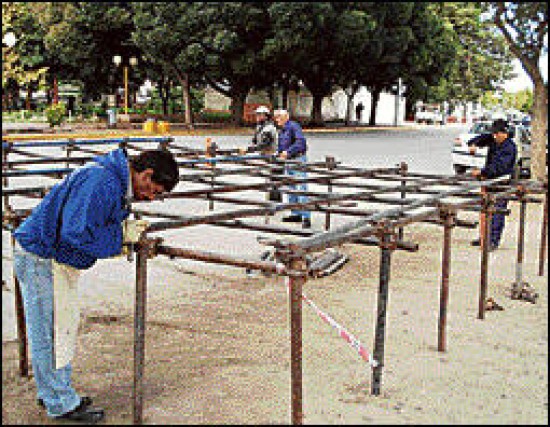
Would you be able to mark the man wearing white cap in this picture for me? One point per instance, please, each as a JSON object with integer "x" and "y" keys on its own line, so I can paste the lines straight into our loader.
{"x": 265, "y": 135}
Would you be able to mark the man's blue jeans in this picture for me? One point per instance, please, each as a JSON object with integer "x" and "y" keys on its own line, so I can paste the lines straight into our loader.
{"x": 36, "y": 280}
{"x": 497, "y": 222}
{"x": 294, "y": 198}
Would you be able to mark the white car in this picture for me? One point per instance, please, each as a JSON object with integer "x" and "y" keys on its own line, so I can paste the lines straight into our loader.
{"x": 463, "y": 161}
{"x": 428, "y": 116}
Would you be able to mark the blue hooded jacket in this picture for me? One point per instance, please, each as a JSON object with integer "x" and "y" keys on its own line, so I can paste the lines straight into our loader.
{"x": 90, "y": 203}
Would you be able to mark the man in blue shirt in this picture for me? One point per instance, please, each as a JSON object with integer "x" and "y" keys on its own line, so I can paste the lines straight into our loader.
{"x": 82, "y": 219}
{"x": 500, "y": 161}
{"x": 292, "y": 146}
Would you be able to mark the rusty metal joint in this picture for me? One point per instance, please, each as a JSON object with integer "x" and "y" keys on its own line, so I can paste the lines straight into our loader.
{"x": 149, "y": 246}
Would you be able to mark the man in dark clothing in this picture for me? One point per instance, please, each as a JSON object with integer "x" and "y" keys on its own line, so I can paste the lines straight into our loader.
{"x": 500, "y": 161}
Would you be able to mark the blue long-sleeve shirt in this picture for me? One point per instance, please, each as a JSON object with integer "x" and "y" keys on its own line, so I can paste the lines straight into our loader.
{"x": 292, "y": 140}
{"x": 80, "y": 219}
{"x": 501, "y": 158}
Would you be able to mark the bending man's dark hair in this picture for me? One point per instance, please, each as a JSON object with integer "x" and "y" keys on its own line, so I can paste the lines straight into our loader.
{"x": 163, "y": 163}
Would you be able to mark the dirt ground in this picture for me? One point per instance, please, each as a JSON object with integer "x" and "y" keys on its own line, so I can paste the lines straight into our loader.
{"x": 218, "y": 351}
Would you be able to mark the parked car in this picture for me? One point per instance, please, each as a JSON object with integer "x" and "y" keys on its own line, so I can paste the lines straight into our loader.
{"x": 463, "y": 161}
{"x": 429, "y": 114}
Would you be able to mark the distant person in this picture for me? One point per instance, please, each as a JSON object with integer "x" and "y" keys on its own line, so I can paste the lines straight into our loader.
{"x": 264, "y": 141}
{"x": 500, "y": 161}
{"x": 265, "y": 134}
{"x": 359, "y": 111}
{"x": 292, "y": 146}
{"x": 82, "y": 219}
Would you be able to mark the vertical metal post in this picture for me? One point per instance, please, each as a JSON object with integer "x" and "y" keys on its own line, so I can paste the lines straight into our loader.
{"x": 331, "y": 164}
{"x": 448, "y": 223}
{"x": 68, "y": 149}
{"x": 139, "y": 329}
{"x": 387, "y": 245}
{"x": 485, "y": 234}
{"x": 296, "y": 280}
{"x": 403, "y": 169}
{"x": 521, "y": 239}
{"x": 543, "y": 235}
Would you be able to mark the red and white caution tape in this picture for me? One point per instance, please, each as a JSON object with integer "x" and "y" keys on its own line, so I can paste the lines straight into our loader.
{"x": 354, "y": 342}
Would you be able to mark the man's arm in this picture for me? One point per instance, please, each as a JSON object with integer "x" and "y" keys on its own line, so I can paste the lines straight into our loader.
{"x": 483, "y": 140}
{"x": 299, "y": 144}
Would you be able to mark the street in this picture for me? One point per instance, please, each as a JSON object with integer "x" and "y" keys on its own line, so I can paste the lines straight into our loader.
{"x": 426, "y": 148}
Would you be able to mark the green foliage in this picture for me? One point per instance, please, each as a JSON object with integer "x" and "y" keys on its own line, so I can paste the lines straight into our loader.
{"x": 55, "y": 114}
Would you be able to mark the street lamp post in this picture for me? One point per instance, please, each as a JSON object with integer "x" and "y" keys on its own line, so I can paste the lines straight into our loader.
{"x": 117, "y": 59}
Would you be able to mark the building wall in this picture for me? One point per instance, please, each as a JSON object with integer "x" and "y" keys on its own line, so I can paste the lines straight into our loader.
{"x": 333, "y": 107}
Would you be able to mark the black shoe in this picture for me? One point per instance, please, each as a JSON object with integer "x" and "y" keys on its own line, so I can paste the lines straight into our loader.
{"x": 306, "y": 223}
{"x": 84, "y": 414}
{"x": 292, "y": 218}
{"x": 492, "y": 247}
{"x": 476, "y": 242}
{"x": 84, "y": 400}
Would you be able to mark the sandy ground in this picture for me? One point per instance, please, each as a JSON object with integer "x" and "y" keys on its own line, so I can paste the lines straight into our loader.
{"x": 217, "y": 346}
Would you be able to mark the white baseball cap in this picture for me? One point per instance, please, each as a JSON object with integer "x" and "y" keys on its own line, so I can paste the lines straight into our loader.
{"x": 262, "y": 109}
{"x": 280, "y": 112}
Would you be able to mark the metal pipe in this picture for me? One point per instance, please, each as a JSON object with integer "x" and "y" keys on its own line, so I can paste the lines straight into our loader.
{"x": 99, "y": 141}
{"x": 449, "y": 222}
{"x": 485, "y": 235}
{"x": 139, "y": 330}
{"x": 386, "y": 246}
{"x": 403, "y": 168}
{"x": 295, "y": 284}
{"x": 543, "y": 235}
{"x": 521, "y": 242}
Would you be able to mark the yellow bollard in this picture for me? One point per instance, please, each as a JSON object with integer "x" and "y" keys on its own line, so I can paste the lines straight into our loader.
{"x": 149, "y": 126}
{"x": 164, "y": 127}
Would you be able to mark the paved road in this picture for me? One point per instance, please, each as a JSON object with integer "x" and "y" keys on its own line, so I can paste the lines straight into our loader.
{"x": 424, "y": 148}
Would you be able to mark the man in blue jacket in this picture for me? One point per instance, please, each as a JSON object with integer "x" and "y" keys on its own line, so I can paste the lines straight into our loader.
{"x": 292, "y": 146}
{"x": 82, "y": 219}
{"x": 500, "y": 161}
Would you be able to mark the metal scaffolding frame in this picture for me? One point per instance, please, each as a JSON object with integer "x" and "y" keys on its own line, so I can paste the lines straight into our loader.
{"x": 410, "y": 197}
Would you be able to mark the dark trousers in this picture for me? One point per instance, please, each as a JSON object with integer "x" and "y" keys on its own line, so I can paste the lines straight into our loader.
{"x": 497, "y": 222}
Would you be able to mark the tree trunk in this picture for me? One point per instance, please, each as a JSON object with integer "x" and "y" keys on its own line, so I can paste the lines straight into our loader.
{"x": 350, "y": 92}
{"x": 237, "y": 108}
{"x": 285, "y": 95}
{"x": 55, "y": 90}
{"x": 29, "y": 97}
{"x": 163, "y": 96}
{"x": 316, "y": 111}
{"x": 539, "y": 132}
{"x": 187, "y": 100}
{"x": 271, "y": 95}
{"x": 375, "y": 97}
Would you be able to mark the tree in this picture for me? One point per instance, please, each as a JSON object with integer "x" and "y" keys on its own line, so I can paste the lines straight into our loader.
{"x": 483, "y": 61}
{"x": 83, "y": 37}
{"x": 23, "y": 65}
{"x": 525, "y": 28}
{"x": 235, "y": 35}
{"x": 305, "y": 38}
{"x": 171, "y": 36}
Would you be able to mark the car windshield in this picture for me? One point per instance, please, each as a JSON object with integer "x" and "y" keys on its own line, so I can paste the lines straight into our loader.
{"x": 480, "y": 128}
